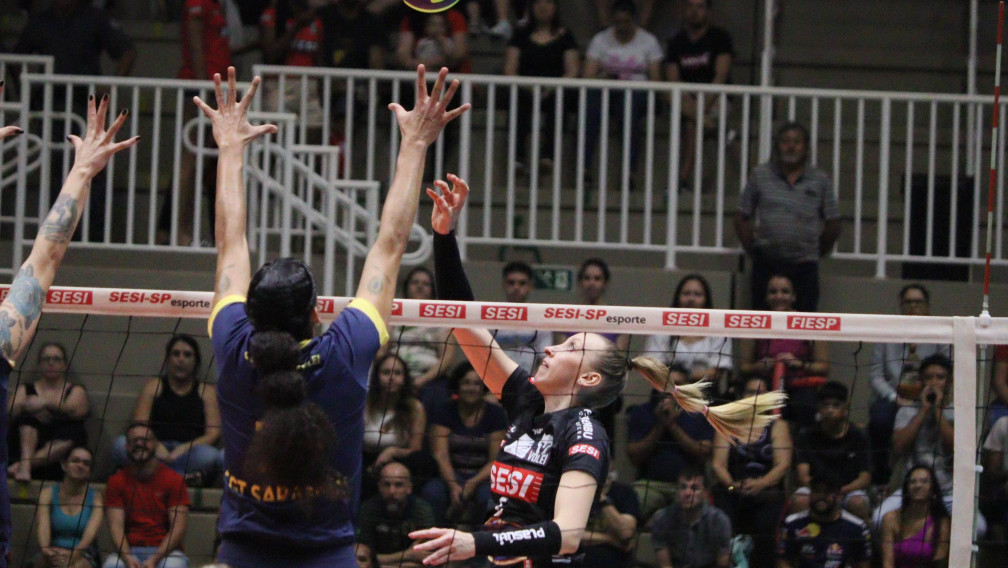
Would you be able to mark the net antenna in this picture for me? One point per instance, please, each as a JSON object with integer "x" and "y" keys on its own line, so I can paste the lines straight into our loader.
{"x": 985, "y": 313}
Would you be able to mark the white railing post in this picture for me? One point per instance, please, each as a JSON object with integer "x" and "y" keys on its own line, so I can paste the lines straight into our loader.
{"x": 766, "y": 79}
{"x": 882, "y": 230}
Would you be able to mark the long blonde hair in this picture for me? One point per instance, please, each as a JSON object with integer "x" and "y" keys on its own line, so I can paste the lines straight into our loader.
{"x": 735, "y": 420}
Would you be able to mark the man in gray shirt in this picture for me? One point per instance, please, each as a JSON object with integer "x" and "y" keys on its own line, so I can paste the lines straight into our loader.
{"x": 692, "y": 532}
{"x": 524, "y": 346}
{"x": 788, "y": 218}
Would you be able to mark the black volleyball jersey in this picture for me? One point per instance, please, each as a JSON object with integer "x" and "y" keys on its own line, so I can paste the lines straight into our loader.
{"x": 538, "y": 448}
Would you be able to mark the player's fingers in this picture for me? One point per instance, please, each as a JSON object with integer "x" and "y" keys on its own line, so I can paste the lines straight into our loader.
{"x": 452, "y": 88}
{"x": 124, "y": 144}
{"x": 232, "y": 86}
{"x": 116, "y": 125}
{"x": 439, "y": 84}
{"x": 203, "y": 106}
{"x": 421, "y": 82}
{"x": 75, "y": 140}
{"x": 218, "y": 90}
{"x": 10, "y": 131}
{"x": 455, "y": 113}
{"x": 247, "y": 99}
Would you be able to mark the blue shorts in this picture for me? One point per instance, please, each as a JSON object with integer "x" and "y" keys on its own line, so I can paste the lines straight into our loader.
{"x": 244, "y": 555}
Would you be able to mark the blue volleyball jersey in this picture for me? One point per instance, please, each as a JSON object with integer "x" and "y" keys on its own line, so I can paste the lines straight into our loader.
{"x": 335, "y": 366}
{"x": 5, "y": 514}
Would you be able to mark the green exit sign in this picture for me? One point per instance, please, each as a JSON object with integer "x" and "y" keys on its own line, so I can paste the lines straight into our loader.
{"x": 553, "y": 278}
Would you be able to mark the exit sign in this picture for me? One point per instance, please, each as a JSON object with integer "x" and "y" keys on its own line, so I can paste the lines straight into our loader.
{"x": 553, "y": 278}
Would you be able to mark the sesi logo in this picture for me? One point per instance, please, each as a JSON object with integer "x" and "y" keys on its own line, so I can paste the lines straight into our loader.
{"x": 747, "y": 321}
{"x": 443, "y": 311}
{"x": 819, "y": 323}
{"x": 504, "y": 313}
{"x": 583, "y": 449}
{"x": 396, "y": 308}
{"x": 325, "y": 305}
{"x": 135, "y": 297}
{"x": 73, "y": 297}
{"x": 515, "y": 482}
{"x": 686, "y": 319}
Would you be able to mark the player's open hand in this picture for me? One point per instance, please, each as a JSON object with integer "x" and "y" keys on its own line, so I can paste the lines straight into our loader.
{"x": 98, "y": 146}
{"x": 444, "y": 545}
{"x": 231, "y": 128}
{"x": 6, "y": 131}
{"x": 424, "y": 123}
{"x": 447, "y": 203}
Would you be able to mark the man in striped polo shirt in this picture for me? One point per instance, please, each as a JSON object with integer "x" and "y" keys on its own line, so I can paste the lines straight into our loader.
{"x": 788, "y": 218}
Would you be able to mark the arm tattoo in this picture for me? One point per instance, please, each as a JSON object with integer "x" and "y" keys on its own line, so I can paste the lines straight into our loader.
{"x": 59, "y": 225}
{"x": 26, "y": 295}
{"x": 224, "y": 283}
{"x": 7, "y": 325}
{"x": 375, "y": 285}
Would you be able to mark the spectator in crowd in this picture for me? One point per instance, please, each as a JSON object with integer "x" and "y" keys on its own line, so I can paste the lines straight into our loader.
{"x": 47, "y": 417}
{"x": 465, "y": 436}
{"x": 699, "y": 53}
{"x": 183, "y": 414}
{"x": 894, "y": 379}
{"x": 622, "y": 52}
{"x": 69, "y": 515}
{"x": 541, "y": 47}
{"x": 608, "y": 540}
{"x": 691, "y": 531}
{"x": 705, "y": 357}
{"x": 999, "y": 384}
{"x": 824, "y": 534}
{"x": 645, "y": 12}
{"x": 924, "y": 434}
{"x": 788, "y": 218}
{"x": 427, "y": 351}
{"x": 662, "y": 441}
{"x": 147, "y": 506}
{"x": 290, "y": 33}
{"x": 917, "y": 534}
{"x": 835, "y": 445}
{"x": 478, "y": 12}
{"x": 524, "y": 346}
{"x": 75, "y": 34}
{"x": 394, "y": 421}
{"x": 797, "y": 365}
{"x": 206, "y": 50}
{"x": 994, "y": 480}
{"x": 752, "y": 475}
{"x": 440, "y": 38}
{"x": 385, "y": 521}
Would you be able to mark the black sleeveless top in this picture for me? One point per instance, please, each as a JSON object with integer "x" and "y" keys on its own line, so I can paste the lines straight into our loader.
{"x": 750, "y": 461}
{"x": 176, "y": 418}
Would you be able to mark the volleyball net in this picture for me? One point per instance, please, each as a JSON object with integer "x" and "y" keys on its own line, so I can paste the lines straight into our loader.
{"x": 115, "y": 341}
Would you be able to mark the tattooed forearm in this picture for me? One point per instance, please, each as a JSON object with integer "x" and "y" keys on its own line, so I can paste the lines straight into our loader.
{"x": 26, "y": 295}
{"x": 375, "y": 285}
{"x": 59, "y": 225}
{"x": 7, "y": 333}
{"x": 224, "y": 283}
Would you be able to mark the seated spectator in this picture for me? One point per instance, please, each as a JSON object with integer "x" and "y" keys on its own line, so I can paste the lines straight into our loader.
{"x": 704, "y": 357}
{"x": 895, "y": 381}
{"x": 427, "y": 351}
{"x": 525, "y": 346}
{"x": 752, "y": 475}
{"x": 824, "y": 534}
{"x": 479, "y": 13}
{"x": 608, "y": 540}
{"x": 69, "y": 516}
{"x": 541, "y": 47}
{"x": 835, "y": 445}
{"x": 464, "y": 439}
{"x": 994, "y": 480}
{"x": 917, "y": 534}
{"x": 797, "y": 365}
{"x": 183, "y": 414}
{"x": 385, "y": 521}
{"x": 999, "y": 384}
{"x": 394, "y": 421}
{"x": 621, "y": 52}
{"x": 924, "y": 434}
{"x": 439, "y": 39}
{"x": 147, "y": 506}
{"x": 662, "y": 441}
{"x": 692, "y": 532}
{"x": 47, "y": 418}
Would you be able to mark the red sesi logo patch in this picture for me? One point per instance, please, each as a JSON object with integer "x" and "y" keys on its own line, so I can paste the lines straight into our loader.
{"x": 443, "y": 311}
{"x": 515, "y": 482}
{"x": 583, "y": 449}
{"x": 819, "y": 323}
{"x": 747, "y": 321}
{"x": 325, "y": 305}
{"x": 686, "y": 319}
{"x": 504, "y": 313}
{"x": 397, "y": 308}
{"x": 74, "y": 297}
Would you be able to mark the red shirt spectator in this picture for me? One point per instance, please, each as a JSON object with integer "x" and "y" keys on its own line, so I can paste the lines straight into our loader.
{"x": 204, "y": 19}
{"x": 146, "y": 502}
{"x": 303, "y": 50}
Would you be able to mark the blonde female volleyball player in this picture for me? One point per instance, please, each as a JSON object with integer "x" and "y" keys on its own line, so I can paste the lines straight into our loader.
{"x": 266, "y": 519}
{"x": 20, "y": 310}
{"x": 555, "y": 456}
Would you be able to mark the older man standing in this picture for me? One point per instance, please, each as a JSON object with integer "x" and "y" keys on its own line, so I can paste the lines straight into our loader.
{"x": 788, "y": 218}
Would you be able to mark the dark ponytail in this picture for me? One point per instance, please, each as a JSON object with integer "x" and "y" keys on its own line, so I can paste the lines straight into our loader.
{"x": 294, "y": 442}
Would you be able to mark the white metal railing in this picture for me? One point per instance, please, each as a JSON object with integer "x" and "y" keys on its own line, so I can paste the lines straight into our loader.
{"x": 288, "y": 199}
{"x": 871, "y": 143}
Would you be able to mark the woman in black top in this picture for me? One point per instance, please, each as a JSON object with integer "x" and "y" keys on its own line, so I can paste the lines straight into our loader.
{"x": 555, "y": 456}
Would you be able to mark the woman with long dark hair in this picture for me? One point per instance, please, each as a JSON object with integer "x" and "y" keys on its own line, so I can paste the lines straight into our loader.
{"x": 917, "y": 534}
{"x": 555, "y": 457}
{"x": 69, "y": 515}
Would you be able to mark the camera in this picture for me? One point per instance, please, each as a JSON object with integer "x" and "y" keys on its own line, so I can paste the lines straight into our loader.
{"x": 931, "y": 397}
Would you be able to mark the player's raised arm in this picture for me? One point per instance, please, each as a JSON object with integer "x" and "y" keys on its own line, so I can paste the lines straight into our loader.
{"x": 419, "y": 128}
{"x": 20, "y": 310}
{"x": 232, "y": 132}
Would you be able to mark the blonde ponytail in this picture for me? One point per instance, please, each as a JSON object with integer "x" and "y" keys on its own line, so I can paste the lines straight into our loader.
{"x": 736, "y": 420}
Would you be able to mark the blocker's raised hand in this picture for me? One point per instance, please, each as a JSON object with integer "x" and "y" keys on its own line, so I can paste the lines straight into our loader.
{"x": 231, "y": 128}
{"x": 429, "y": 116}
{"x": 93, "y": 152}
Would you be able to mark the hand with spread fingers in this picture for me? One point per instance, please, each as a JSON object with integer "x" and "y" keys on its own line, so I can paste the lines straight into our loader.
{"x": 448, "y": 203}
{"x": 444, "y": 545}
{"x": 93, "y": 153}
{"x": 424, "y": 123}
{"x": 231, "y": 128}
